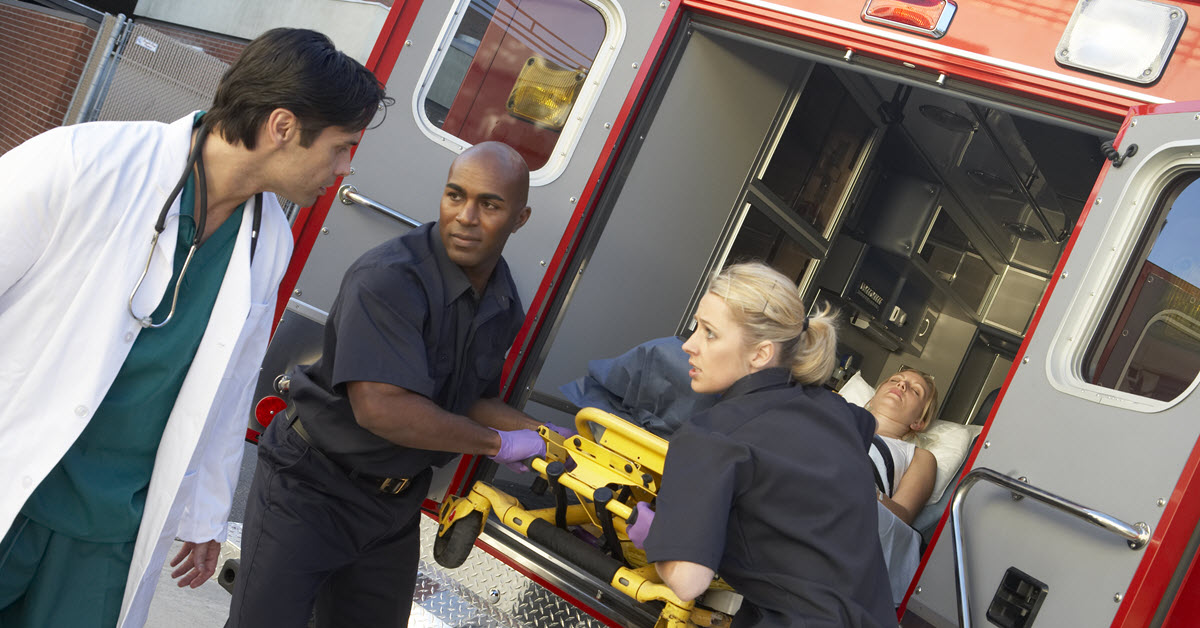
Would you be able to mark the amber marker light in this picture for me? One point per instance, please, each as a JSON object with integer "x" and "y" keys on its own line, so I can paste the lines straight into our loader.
{"x": 925, "y": 17}
{"x": 544, "y": 93}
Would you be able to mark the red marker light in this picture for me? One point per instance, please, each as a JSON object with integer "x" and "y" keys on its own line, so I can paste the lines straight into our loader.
{"x": 267, "y": 408}
{"x": 926, "y": 17}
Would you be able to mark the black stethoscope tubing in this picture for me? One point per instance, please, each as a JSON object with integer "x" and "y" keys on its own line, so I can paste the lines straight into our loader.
{"x": 200, "y": 215}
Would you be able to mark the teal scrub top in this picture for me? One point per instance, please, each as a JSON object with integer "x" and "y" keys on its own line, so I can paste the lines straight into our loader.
{"x": 97, "y": 492}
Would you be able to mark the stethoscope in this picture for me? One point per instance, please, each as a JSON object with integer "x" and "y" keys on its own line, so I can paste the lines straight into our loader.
{"x": 200, "y": 214}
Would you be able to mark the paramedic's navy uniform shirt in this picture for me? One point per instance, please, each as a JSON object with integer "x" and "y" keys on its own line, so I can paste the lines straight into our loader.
{"x": 405, "y": 315}
{"x": 772, "y": 489}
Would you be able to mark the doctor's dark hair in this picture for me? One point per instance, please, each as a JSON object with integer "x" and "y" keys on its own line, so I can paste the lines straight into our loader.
{"x": 299, "y": 70}
{"x": 768, "y": 307}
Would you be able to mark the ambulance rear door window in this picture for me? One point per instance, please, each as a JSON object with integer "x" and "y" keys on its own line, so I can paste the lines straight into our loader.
{"x": 1149, "y": 340}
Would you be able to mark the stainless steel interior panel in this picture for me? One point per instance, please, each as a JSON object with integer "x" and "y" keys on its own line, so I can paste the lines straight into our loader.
{"x": 677, "y": 198}
{"x": 983, "y": 371}
{"x": 1015, "y": 297}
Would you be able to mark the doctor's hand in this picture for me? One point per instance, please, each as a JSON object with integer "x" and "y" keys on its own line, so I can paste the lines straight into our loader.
{"x": 637, "y": 526}
{"x": 200, "y": 565}
{"x": 517, "y": 446}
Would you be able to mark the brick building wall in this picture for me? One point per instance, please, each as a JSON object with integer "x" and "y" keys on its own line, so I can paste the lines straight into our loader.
{"x": 42, "y": 54}
{"x": 224, "y": 48}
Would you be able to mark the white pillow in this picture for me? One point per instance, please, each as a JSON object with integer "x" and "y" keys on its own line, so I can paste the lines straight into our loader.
{"x": 857, "y": 391}
{"x": 946, "y": 440}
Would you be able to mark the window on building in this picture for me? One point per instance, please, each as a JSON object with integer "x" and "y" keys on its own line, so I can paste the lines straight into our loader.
{"x": 514, "y": 71}
{"x": 1149, "y": 340}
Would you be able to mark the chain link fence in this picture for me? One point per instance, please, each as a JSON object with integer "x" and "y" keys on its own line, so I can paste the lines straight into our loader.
{"x": 151, "y": 76}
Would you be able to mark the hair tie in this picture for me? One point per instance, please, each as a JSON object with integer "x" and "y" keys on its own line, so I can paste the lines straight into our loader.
{"x": 804, "y": 325}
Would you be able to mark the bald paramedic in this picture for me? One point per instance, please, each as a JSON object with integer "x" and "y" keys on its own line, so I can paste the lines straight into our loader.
{"x": 408, "y": 379}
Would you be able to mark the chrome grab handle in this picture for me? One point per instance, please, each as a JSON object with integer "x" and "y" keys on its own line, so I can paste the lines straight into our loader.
{"x": 348, "y": 195}
{"x": 1136, "y": 535}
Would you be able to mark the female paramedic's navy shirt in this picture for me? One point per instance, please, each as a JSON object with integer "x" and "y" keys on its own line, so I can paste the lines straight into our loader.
{"x": 772, "y": 489}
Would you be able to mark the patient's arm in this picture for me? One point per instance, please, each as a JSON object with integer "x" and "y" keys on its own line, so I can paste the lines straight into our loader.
{"x": 688, "y": 580}
{"x": 915, "y": 487}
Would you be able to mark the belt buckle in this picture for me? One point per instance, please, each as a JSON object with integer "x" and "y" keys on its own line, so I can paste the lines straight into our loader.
{"x": 393, "y": 486}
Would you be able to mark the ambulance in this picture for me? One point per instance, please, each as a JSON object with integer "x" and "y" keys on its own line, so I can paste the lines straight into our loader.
{"x": 1000, "y": 193}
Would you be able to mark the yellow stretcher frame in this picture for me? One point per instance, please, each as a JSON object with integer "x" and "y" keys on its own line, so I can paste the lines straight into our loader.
{"x": 612, "y": 472}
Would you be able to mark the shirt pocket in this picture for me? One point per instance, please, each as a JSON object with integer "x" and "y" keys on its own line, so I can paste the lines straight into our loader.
{"x": 488, "y": 367}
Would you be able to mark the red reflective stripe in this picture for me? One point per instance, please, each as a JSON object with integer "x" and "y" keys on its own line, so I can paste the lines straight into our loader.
{"x": 463, "y": 473}
{"x": 1186, "y": 607}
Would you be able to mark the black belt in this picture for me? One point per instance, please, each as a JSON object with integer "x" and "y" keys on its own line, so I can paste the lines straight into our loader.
{"x": 387, "y": 486}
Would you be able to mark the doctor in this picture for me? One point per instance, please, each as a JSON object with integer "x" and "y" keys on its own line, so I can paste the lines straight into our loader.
{"x": 137, "y": 284}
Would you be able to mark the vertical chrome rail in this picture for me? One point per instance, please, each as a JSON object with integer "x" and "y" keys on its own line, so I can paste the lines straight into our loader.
{"x": 1136, "y": 535}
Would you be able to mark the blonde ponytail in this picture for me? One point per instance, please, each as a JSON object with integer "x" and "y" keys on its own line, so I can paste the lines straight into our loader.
{"x": 768, "y": 307}
{"x": 816, "y": 354}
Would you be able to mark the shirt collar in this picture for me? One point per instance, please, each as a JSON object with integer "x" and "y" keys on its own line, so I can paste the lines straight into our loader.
{"x": 454, "y": 280}
{"x": 775, "y": 377}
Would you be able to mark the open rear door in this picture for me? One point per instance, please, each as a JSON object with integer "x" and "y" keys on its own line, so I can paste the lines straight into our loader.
{"x": 1098, "y": 416}
{"x": 549, "y": 77}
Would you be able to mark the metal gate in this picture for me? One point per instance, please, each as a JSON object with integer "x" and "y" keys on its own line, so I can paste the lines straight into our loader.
{"x": 139, "y": 73}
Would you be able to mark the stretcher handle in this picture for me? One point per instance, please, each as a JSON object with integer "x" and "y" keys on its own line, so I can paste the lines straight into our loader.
{"x": 572, "y": 483}
{"x": 634, "y": 433}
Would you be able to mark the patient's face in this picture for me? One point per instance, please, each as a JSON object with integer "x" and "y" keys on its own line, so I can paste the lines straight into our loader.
{"x": 902, "y": 398}
{"x": 717, "y": 350}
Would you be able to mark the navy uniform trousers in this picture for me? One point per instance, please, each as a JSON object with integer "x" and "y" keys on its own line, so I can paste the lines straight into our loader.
{"x": 359, "y": 563}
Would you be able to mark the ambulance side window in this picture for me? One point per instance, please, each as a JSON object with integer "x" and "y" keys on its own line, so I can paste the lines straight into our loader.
{"x": 515, "y": 71}
{"x": 1149, "y": 339}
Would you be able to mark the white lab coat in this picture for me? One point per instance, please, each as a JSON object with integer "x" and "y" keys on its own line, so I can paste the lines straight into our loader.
{"x": 77, "y": 211}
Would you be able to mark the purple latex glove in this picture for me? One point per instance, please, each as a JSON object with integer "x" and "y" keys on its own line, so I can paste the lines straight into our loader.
{"x": 516, "y": 446}
{"x": 639, "y": 527}
{"x": 563, "y": 431}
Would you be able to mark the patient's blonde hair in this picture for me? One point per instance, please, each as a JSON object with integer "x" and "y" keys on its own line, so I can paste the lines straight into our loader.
{"x": 931, "y": 397}
{"x": 768, "y": 307}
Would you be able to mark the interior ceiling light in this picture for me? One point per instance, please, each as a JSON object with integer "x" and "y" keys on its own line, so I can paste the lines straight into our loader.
{"x": 1126, "y": 39}
{"x": 1025, "y": 232}
{"x": 947, "y": 119}
{"x": 544, "y": 93}
{"x": 926, "y": 17}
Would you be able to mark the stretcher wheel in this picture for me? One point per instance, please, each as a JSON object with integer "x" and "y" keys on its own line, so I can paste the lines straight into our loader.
{"x": 451, "y": 549}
